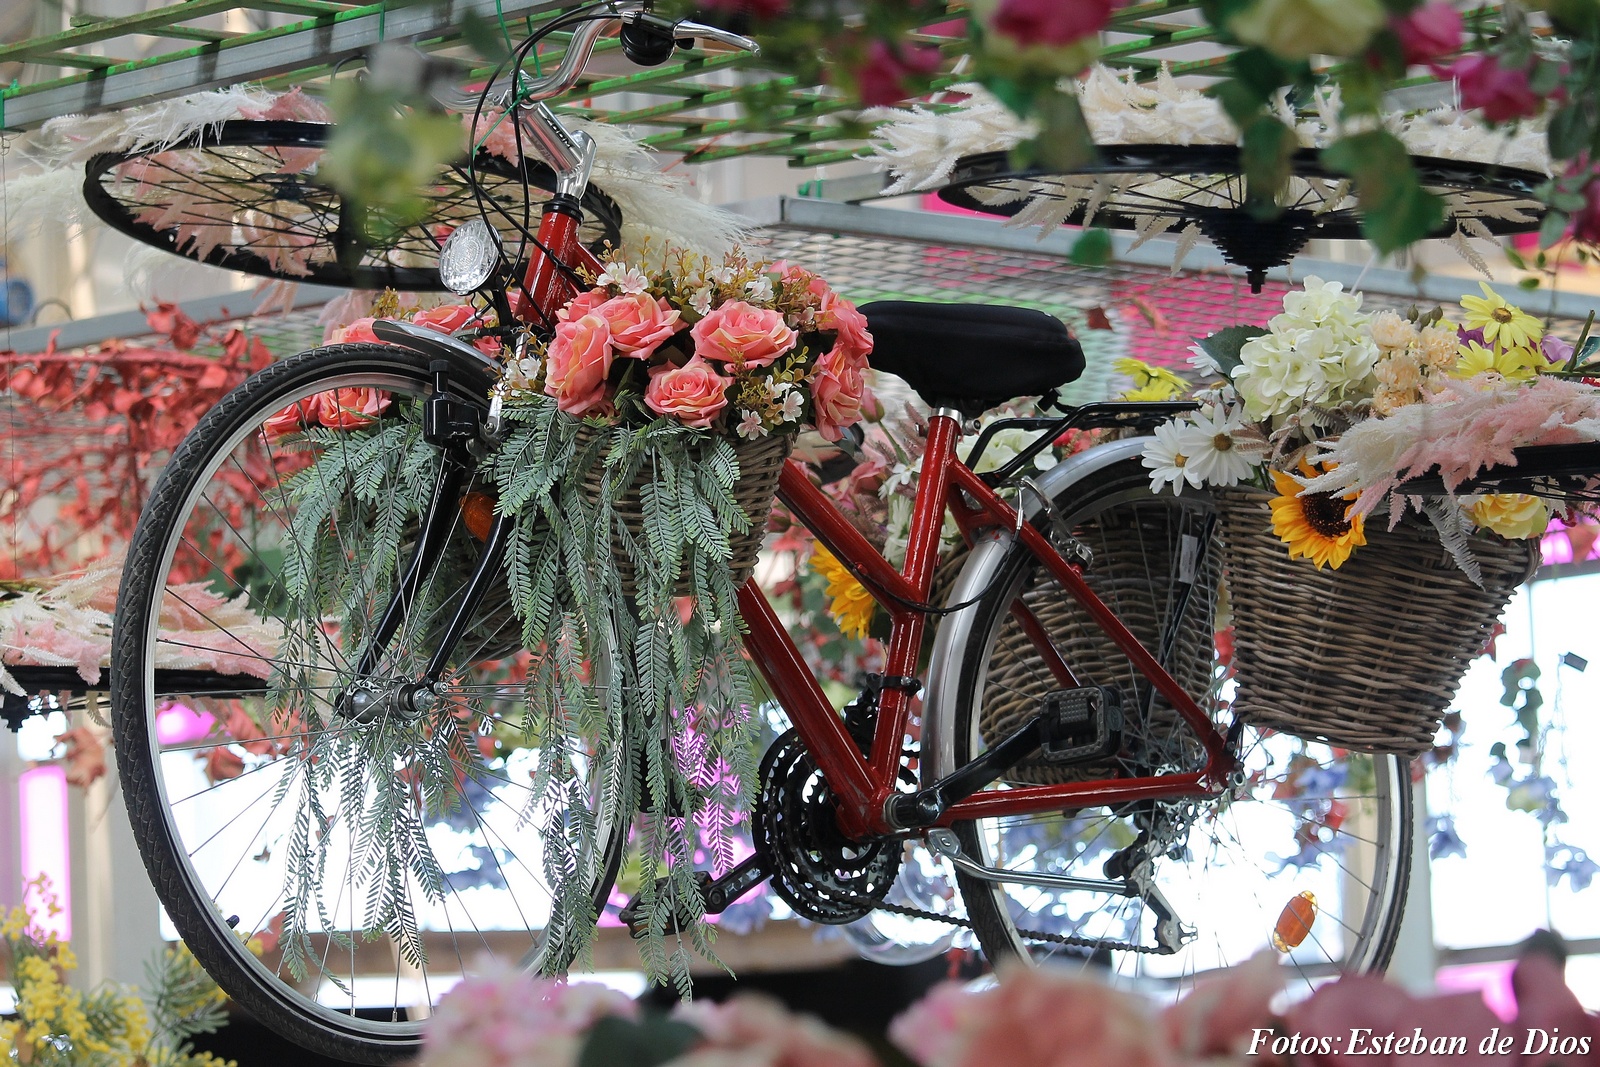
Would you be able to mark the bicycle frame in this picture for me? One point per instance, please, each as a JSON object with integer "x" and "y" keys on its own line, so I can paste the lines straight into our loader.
{"x": 865, "y": 784}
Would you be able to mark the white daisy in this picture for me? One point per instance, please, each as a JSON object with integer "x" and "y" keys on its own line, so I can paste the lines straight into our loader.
{"x": 1167, "y": 459}
{"x": 1211, "y": 439}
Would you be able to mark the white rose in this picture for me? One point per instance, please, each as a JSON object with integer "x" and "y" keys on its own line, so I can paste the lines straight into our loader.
{"x": 1299, "y": 29}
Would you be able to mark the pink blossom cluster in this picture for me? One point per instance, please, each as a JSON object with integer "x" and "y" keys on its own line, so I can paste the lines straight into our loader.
{"x": 711, "y": 352}
{"x": 1048, "y": 1018}
{"x": 509, "y": 1019}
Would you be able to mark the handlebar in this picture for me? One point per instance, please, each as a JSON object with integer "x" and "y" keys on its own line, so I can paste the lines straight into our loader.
{"x": 609, "y": 19}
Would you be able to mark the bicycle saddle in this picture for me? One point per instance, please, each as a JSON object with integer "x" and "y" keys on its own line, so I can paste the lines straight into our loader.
{"x": 971, "y": 356}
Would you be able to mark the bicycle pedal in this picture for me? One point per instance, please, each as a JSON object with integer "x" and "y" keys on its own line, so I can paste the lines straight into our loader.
{"x": 1081, "y": 724}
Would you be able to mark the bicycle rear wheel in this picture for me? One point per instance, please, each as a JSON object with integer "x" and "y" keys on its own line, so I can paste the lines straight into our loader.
{"x": 373, "y": 851}
{"x": 1306, "y": 819}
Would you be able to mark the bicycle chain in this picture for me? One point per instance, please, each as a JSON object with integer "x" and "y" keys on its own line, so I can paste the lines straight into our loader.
{"x": 1030, "y": 935}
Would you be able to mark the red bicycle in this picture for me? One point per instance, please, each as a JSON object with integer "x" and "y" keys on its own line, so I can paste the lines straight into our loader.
{"x": 1047, "y": 763}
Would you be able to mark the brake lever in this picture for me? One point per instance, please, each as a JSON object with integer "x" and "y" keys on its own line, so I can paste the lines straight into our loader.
{"x": 689, "y": 30}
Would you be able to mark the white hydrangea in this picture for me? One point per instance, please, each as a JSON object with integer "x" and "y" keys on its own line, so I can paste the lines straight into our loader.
{"x": 1318, "y": 351}
{"x": 1320, "y": 303}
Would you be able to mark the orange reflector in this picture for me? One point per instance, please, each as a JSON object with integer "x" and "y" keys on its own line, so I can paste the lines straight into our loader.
{"x": 477, "y": 511}
{"x": 1294, "y": 922}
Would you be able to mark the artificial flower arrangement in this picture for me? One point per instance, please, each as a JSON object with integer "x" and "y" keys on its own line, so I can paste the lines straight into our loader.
{"x": 739, "y": 348}
{"x": 1333, "y": 408}
{"x": 1024, "y": 1017}
{"x": 641, "y": 446}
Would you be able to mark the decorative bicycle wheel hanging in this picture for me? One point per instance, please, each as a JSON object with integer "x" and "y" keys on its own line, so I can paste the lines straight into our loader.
{"x": 1199, "y": 190}
{"x": 246, "y": 197}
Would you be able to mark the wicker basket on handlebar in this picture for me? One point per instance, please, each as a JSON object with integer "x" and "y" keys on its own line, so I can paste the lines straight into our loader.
{"x": 760, "y": 463}
{"x": 1368, "y": 656}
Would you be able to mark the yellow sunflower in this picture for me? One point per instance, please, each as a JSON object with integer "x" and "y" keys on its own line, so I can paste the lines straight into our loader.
{"x": 1315, "y": 526}
{"x": 1503, "y": 325}
{"x": 1149, "y": 383}
{"x": 849, "y": 603}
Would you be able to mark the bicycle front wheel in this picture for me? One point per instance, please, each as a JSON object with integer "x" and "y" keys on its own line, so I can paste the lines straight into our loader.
{"x": 1309, "y": 854}
{"x": 336, "y": 853}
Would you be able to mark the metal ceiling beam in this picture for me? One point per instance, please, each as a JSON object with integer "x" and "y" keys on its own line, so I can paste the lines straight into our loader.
{"x": 315, "y": 42}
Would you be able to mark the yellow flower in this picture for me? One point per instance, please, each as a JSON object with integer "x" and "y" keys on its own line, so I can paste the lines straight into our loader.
{"x": 1315, "y": 526}
{"x": 1516, "y": 516}
{"x": 849, "y": 603}
{"x": 1149, "y": 383}
{"x": 1503, "y": 325}
{"x": 1512, "y": 364}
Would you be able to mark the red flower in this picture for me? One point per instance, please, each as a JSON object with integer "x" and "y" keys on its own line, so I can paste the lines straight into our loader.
{"x": 168, "y": 319}
{"x": 761, "y": 9}
{"x": 882, "y": 79}
{"x": 1051, "y": 22}
{"x": 1500, "y": 93}
{"x": 1430, "y": 32}
{"x": 1586, "y": 221}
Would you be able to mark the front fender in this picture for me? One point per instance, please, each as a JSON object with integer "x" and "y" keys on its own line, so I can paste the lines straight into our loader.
{"x": 432, "y": 343}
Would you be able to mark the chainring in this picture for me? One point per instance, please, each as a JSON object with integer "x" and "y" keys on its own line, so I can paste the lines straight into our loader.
{"x": 821, "y": 874}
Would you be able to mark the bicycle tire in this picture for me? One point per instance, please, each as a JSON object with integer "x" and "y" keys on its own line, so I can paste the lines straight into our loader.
{"x": 244, "y": 197}
{"x": 1110, "y": 510}
{"x": 456, "y": 803}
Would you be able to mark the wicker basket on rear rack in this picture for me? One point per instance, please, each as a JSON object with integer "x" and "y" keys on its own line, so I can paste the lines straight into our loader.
{"x": 1366, "y": 657}
{"x": 1129, "y": 545}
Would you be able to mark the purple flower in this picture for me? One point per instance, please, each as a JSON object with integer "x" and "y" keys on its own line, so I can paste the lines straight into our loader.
{"x": 1443, "y": 839}
{"x": 1468, "y": 336}
{"x": 1555, "y": 349}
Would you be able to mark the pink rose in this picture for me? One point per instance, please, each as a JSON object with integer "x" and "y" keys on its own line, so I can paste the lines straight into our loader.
{"x": 299, "y": 414}
{"x": 347, "y": 409}
{"x": 1431, "y": 31}
{"x": 761, "y": 9}
{"x": 583, "y": 304}
{"x": 1033, "y": 1016}
{"x": 579, "y": 359}
{"x": 837, "y": 390}
{"x": 839, "y": 314}
{"x": 884, "y": 78}
{"x": 743, "y": 335}
{"x": 639, "y": 323}
{"x": 352, "y": 333}
{"x": 1501, "y": 94}
{"x": 1586, "y": 221}
{"x": 814, "y": 286}
{"x": 694, "y": 393}
{"x": 1051, "y": 22}
{"x": 446, "y": 319}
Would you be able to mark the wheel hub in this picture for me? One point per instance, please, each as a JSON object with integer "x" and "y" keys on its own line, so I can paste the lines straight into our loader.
{"x": 817, "y": 870}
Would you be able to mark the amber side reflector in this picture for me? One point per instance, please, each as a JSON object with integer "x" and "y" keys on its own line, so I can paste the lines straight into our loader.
{"x": 477, "y": 511}
{"x": 1294, "y": 922}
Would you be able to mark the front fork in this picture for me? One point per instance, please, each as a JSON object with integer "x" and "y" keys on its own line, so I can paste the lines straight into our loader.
{"x": 457, "y": 428}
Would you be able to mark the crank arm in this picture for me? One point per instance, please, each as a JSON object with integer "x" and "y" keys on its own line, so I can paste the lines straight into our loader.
{"x": 717, "y": 893}
{"x": 946, "y": 844}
